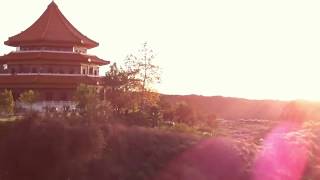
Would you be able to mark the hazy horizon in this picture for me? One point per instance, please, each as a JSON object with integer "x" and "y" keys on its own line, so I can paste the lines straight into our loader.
{"x": 246, "y": 49}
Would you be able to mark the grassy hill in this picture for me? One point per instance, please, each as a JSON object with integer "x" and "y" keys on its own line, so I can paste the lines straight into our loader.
{"x": 231, "y": 108}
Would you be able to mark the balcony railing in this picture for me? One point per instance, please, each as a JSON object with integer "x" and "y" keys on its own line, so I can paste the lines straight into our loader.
{"x": 45, "y": 74}
{"x": 52, "y": 51}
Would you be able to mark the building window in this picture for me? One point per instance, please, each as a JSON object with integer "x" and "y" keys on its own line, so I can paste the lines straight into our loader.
{"x": 95, "y": 72}
{"x": 71, "y": 71}
{"x": 83, "y": 71}
{"x": 91, "y": 71}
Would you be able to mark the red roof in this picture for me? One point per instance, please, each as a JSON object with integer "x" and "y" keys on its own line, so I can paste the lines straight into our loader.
{"x": 51, "y": 29}
{"x": 54, "y": 57}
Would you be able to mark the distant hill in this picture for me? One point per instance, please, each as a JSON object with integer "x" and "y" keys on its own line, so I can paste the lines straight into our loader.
{"x": 231, "y": 108}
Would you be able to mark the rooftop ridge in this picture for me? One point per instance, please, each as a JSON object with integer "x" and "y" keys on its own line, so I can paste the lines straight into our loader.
{"x": 47, "y": 24}
{"x": 51, "y": 28}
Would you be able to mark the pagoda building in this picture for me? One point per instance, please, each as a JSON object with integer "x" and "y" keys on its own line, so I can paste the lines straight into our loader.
{"x": 50, "y": 58}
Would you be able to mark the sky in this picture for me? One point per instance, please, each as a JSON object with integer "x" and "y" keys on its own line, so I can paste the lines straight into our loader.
{"x": 250, "y": 48}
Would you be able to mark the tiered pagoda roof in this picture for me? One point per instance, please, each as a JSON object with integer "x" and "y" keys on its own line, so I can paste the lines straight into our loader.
{"x": 51, "y": 39}
{"x": 51, "y": 29}
{"x": 51, "y": 55}
{"x": 44, "y": 57}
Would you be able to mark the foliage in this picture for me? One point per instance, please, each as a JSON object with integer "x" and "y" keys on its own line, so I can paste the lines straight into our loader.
{"x": 29, "y": 97}
{"x": 61, "y": 147}
{"x": 306, "y": 138}
{"x": 119, "y": 79}
{"x": 52, "y": 149}
{"x": 142, "y": 63}
{"x": 121, "y": 89}
{"x": 167, "y": 109}
{"x": 146, "y": 72}
{"x": 89, "y": 104}
{"x": 183, "y": 143}
{"x": 129, "y": 89}
{"x": 80, "y": 150}
{"x": 179, "y": 128}
{"x": 184, "y": 113}
{"x": 85, "y": 96}
{"x": 137, "y": 153}
{"x": 7, "y": 103}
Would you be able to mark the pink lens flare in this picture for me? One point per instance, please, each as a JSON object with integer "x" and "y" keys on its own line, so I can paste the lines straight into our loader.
{"x": 281, "y": 157}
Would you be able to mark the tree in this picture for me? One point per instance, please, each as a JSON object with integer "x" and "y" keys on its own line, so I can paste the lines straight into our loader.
{"x": 29, "y": 97}
{"x": 184, "y": 113}
{"x": 146, "y": 71}
{"x": 121, "y": 79}
{"x": 7, "y": 102}
{"x": 120, "y": 89}
{"x": 86, "y": 97}
{"x": 130, "y": 90}
{"x": 90, "y": 105}
{"x": 167, "y": 109}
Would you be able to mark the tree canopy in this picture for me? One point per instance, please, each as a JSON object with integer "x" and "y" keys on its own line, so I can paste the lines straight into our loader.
{"x": 7, "y": 102}
{"x": 29, "y": 97}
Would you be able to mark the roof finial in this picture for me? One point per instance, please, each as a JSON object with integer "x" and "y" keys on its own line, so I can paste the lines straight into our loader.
{"x": 52, "y": 3}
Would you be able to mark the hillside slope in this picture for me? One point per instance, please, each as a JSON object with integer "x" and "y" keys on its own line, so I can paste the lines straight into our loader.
{"x": 231, "y": 108}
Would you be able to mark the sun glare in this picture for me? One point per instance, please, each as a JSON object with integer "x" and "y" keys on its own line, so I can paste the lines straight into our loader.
{"x": 160, "y": 89}
{"x": 238, "y": 50}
